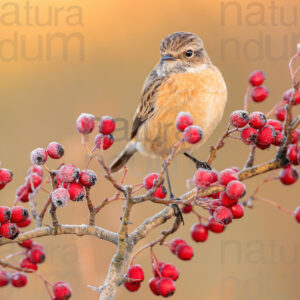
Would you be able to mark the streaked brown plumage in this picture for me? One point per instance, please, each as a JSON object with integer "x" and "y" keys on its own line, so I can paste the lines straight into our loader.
{"x": 183, "y": 80}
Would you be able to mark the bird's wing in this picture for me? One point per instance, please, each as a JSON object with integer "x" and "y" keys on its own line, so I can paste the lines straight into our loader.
{"x": 147, "y": 101}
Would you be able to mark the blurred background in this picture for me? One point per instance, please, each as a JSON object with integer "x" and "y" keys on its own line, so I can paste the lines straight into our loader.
{"x": 61, "y": 58}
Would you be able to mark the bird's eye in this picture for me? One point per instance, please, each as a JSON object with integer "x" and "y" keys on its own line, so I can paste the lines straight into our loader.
{"x": 189, "y": 53}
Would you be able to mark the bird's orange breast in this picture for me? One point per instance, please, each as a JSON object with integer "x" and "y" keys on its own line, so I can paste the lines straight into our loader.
{"x": 202, "y": 93}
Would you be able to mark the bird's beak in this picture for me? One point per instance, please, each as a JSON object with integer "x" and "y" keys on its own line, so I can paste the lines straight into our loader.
{"x": 167, "y": 57}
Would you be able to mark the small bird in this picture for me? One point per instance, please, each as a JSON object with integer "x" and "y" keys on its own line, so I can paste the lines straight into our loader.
{"x": 184, "y": 80}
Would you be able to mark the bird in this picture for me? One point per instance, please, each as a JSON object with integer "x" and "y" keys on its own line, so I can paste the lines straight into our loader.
{"x": 184, "y": 80}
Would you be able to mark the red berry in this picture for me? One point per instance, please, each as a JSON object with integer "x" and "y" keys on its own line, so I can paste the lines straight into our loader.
{"x": 5, "y": 214}
{"x": 187, "y": 208}
{"x": 88, "y": 178}
{"x": 36, "y": 169}
{"x": 261, "y": 146}
{"x": 259, "y": 93}
{"x": 257, "y": 120}
{"x": 239, "y": 118}
{"x": 237, "y": 211}
{"x": 33, "y": 181}
{"x": 26, "y": 244}
{"x": 257, "y": 78}
{"x": 18, "y": 214}
{"x": 6, "y": 176}
{"x": 104, "y": 141}
{"x": 266, "y": 135}
{"x": 175, "y": 243}
{"x": 85, "y": 123}
{"x": 297, "y": 214}
{"x": 4, "y": 278}
{"x": 69, "y": 173}
{"x": 223, "y": 215}
{"x": 148, "y": 181}
{"x": 275, "y": 124}
{"x": 24, "y": 223}
{"x": 135, "y": 273}
{"x": 227, "y": 175}
{"x": 23, "y": 193}
{"x": 27, "y": 264}
{"x": 2, "y": 186}
{"x": 76, "y": 191}
{"x": 132, "y": 286}
{"x": 9, "y": 230}
{"x": 165, "y": 287}
{"x": 107, "y": 125}
{"x": 62, "y": 290}
{"x": 280, "y": 114}
{"x": 288, "y": 175}
{"x": 55, "y": 150}
{"x": 295, "y": 136}
{"x": 235, "y": 189}
{"x": 199, "y": 232}
{"x": 279, "y": 138}
{"x": 292, "y": 154}
{"x": 60, "y": 197}
{"x": 184, "y": 252}
{"x": 226, "y": 200}
{"x": 297, "y": 98}
{"x": 249, "y": 135}
{"x": 161, "y": 192}
{"x": 38, "y": 156}
{"x": 213, "y": 205}
{"x": 183, "y": 120}
{"x": 36, "y": 255}
{"x": 19, "y": 279}
{"x": 215, "y": 226}
{"x": 192, "y": 134}
{"x": 287, "y": 96}
{"x": 203, "y": 178}
{"x": 157, "y": 267}
{"x": 169, "y": 270}
{"x": 152, "y": 285}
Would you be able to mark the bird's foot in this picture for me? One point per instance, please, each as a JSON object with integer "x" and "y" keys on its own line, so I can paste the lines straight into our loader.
{"x": 198, "y": 163}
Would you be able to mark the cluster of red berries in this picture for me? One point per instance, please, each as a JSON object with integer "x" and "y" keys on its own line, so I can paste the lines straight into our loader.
{"x": 192, "y": 134}
{"x": 259, "y": 92}
{"x": 35, "y": 255}
{"x": 11, "y": 219}
{"x": 85, "y": 125}
{"x": 148, "y": 183}
{"x": 54, "y": 150}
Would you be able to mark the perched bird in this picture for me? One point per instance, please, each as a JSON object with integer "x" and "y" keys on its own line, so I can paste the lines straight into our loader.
{"x": 184, "y": 80}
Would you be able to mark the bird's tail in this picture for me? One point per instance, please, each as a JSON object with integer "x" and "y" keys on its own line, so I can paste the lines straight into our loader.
{"x": 123, "y": 158}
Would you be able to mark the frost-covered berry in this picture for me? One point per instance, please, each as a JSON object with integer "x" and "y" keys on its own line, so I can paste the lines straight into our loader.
{"x": 275, "y": 124}
{"x": 226, "y": 200}
{"x": 55, "y": 150}
{"x": 223, "y": 215}
{"x": 24, "y": 223}
{"x": 60, "y": 197}
{"x": 76, "y": 191}
{"x": 165, "y": 287}
{"x": 288, "y": 175}
{"x": 239, "y": 118}
{"x": 183, "y": 120}
{"x": 227, "y": 175}
{"x": 295, "y": 136}
{"x": 135, "y": 273}
{"x": 184, "y": 252}
{"x": 33, "y": 181}
{"x": 26, "y": 244}
{"x": 6, "y": 176}
{"x": 237, "y": 211}
{"x": 88, "y": 178}
{"x": 104, "y": 141}
{"x": 149, "y": 179}
{"x": 215, "y": 226}
{"x": 69, "y": 173}
{"x": 235, "y": 189}
{"x": 175, "y": 243}
{"x": 257, "y": 78}
{"x": 266, "y": 135}
{"x": 288, "y": 95}
{"x": 187, "y": 208}
{"x": 23, "y": 193}
{"x": 280, "y": 114}
{"x": 36, "y": 255}
{"x": 36, "y": 169}
{"x": 152, "y": 284}
{"x": 169, "y": 270}
{"x": 85, "y": 123}
{"x": 18, "y": 214}
{"x": 257, "y": 120}
{"x": 107, "y": 125}
{"x": 27, "y": 264}
{"x": 38, "y": 156}
{"x": 292, "y": 154}
{"x": 279, "y": 138}
{"x": 161, "y": 192}
{"x": 9, "y": 230}
{"x": 4, "y": 278}
{"x": 249, "y": 135}
{"x": 203, "y": 178}
{"x": 199, "y": 232}
{"x": 132, "y": 286}
{"x": 5, "y": 214}
{"x": 62, "y": 290}
{"x": 19, "y": 279}
{"x": 192, "y": 134}
{"x": 259, "y": 93}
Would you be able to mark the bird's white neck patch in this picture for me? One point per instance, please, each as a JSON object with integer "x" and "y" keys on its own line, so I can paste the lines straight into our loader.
{"x": 197, "y": 69}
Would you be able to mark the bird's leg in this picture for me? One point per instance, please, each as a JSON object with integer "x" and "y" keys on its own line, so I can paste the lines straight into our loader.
{"x": 198, "y": 163}
{"x": 176, "y": 208}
